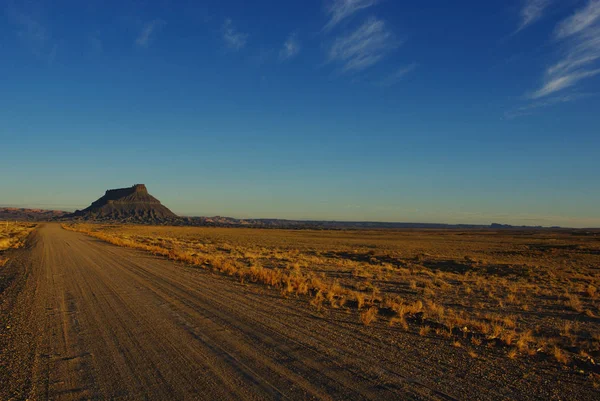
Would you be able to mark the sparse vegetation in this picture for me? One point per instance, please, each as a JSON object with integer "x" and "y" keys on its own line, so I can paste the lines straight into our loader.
{"x": 532, "y": 293}
{"x": 367, "y": 317}
{"x": 12, "y": 235}
{"x": 560, "y": 355}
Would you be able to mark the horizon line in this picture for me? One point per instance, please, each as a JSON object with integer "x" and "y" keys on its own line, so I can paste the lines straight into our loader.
{"x": 190, "y": 215}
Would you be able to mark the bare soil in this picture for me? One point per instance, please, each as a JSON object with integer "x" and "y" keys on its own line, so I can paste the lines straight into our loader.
{"x": 83, "y": 319}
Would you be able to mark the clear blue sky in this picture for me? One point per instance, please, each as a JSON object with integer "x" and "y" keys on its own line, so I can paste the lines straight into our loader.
{"x": 432, "y": 111}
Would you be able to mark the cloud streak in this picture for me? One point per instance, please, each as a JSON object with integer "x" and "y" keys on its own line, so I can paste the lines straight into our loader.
{"x": 532, "y": 11}
{"x": 234, "y": 40}
{"x": 581, "y": 20}
{"x": 339, "y": 10}
{"x": 397, "y": 76}
{"x": 363, "y": 47}
{"x": 145, "y": 35}
{"x": 552, "y": 101}
{"x": 148, "y": 31}
{"x": 579, "y": 40}
{"x": 33, "y": 34}
{"x": 291, "y": 48}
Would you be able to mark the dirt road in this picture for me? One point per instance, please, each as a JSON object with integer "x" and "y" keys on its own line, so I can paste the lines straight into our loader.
{"x": 82, "y": 319}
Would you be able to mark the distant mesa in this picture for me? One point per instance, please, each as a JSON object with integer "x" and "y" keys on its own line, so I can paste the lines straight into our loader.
{"x": 136, "y": 205}
{"x": 128, "y": 205}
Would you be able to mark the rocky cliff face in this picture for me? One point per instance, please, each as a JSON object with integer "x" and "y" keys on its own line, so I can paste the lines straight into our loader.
{"x": 133, "y": 204}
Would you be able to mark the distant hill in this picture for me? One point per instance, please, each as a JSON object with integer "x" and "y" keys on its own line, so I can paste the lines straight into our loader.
{"x": 24, "y": 214}
{"x": 219, "y": 221}
{"x": 136, "y": 205}
{"x": 127, "y": 205}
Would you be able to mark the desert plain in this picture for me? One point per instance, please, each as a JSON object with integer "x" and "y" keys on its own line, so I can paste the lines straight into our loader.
{"x": 139, "y": 311}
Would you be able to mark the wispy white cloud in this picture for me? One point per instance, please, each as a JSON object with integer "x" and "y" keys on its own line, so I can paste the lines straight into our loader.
{"x": 397, "y": 76}
{"x": 95, "y": 44}
{"x": 261, "y": 56}
{"x": 32, "y": 32}
{"x": 339, "y": 10}
{"x": 578, "y": 37}
{"x": 145, "y": 35}
{"x": 580, "y": 20}
{"x": 291, "y": 48}
{"x": 531, "y": 108}
{"x": 532, "y": 11}
{"x": 233, "y": 39}
{"x": 561, "y": 82}
{"x": 363, "y": 47}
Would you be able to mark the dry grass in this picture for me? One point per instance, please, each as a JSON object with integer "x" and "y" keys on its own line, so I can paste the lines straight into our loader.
{"x": 12, "y": 236}
{"x": 519, "y": 290}
{"x": 560, "y": 355}
{"x": 369, "y": 316}
{"x": 573, "y": 302}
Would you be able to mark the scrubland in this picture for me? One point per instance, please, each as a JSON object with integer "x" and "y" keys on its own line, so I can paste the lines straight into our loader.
{"x": 12, "y": 235}
{"x": 528, "y": 294}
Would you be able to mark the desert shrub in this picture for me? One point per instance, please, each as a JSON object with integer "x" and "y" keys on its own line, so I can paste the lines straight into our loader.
{"x": 369, "y": 316}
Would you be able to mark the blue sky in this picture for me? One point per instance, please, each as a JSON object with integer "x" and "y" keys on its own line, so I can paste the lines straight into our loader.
{"x": 431, "y": 111}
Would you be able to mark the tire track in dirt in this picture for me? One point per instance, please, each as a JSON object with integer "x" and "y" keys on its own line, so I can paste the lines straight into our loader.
{"x": 96, "y": 321}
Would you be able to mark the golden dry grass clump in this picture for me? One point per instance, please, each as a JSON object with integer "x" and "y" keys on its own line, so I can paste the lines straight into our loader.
{"x": 12, "y": 235}
{"x": 532, "y": 292}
